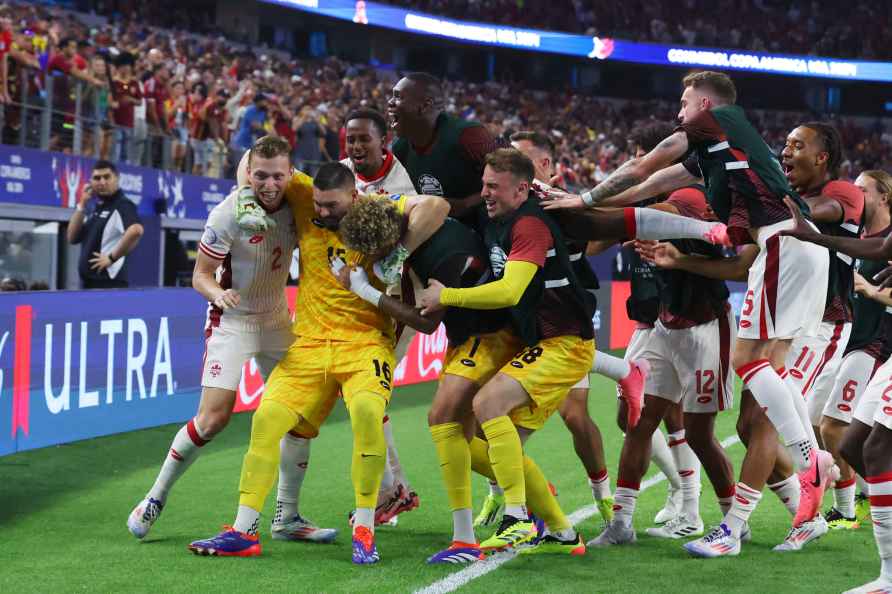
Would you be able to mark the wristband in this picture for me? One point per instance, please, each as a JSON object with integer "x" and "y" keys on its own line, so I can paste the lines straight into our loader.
{"x": 369, "y": 293}
{"x": 587, "y": 198}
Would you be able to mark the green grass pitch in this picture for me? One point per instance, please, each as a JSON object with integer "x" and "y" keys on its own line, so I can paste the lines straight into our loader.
{"x": 64, "y": 509}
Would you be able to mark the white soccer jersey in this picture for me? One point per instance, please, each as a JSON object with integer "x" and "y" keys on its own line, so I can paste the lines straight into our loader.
{"x": 391, "y": 179}
{"x": 254, "y": 264}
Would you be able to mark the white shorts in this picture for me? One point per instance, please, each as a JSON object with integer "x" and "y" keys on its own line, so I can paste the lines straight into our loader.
{"x": 875, "y": 404}
{"x": 786, "y": 288}
{"x": 231, "y": 344}
{"x": 855, "y": 373}
{"x": 813, "y": 363}
{"x": 692, "y": 365}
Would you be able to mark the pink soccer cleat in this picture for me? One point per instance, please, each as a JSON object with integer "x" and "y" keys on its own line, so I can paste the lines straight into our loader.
{"x": 812, "y": 483}
{"x": 718, "y": 235}
{"x": 632, "y": 387}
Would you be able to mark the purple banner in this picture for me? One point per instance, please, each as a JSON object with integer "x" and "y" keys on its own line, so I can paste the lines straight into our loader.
{"x": 30, "y": 176}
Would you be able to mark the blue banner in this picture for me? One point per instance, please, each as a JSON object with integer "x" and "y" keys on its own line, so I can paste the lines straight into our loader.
{"x": 29, "y": 176}
{"x": 81, "y": 364}
{"x": 602, "y": 48}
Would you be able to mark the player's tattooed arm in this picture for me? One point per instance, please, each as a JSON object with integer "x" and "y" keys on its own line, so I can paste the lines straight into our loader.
{"x": 663, "y": 181}
{"x": 628, "y": 175}
{"x": 872, "y": 248}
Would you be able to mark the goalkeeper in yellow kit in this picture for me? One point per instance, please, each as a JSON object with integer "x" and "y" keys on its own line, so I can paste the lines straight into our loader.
{"x": 344, "y": 345}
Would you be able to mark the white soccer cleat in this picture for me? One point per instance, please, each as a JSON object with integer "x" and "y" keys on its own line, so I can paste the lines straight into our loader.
{"x": 679, "y": 527}
{"x": 614, "y": 534}
{"x": 672, "y": 507}
{"x": 746, "y": 534}
{"x": 718, "y": 543}
{"x": 801, "y": 535}
{"x": 143, "y": 516}
{"x": 881, "y": 585}
{"x": 302, "y": 529}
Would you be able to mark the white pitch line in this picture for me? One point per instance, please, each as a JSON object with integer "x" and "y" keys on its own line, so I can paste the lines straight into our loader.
{"x": 454, "y": 581}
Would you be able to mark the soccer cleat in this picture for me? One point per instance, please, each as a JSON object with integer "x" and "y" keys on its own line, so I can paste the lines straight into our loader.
{"x": 862, "y": 508}
{"x": 801, "y": 535}
{"x": 881, "y": 585}
{"x": 364, "y": 550}
{"x": 143, "y": 516}
{"x": 632, "y": 387}
{"x": 679, "y": 527}
{"x": 614, "y": 534}
{"x": 718, "y": 543}
{"x": 229, "y": 543}
{"x": 605, "y": 508}
{"x": 493, "y": 507}
{"x": 552, "y": 544}
{"x": 458, "y": 553}
{"x": 511, "y": 533}
{"x": 400, "y": 502}
{"x": 746, "y": 534}
{"x": 812, "y": 483}
{"x": 671, "y": 508}
{"x": 836, "y": 521}
{"x": 718, "y": 235}
{"x": 299, "y": 528}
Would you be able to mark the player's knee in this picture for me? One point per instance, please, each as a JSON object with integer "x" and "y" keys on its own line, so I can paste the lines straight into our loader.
{"x": 367, "y": 409}
{"x": 213, "y": 421}
{"x": 488, "y": 406}
{"x": 851, "y": 450}
{"x": 743, "y": 429}
{"x": 271, "y": 421}
{"x": 876, "y": 448}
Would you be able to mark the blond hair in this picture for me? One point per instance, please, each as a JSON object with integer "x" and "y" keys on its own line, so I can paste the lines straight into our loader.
{"x": 883, "y": 181}
{"x": 269, "y": 147}
{"x": 372, "y": 224}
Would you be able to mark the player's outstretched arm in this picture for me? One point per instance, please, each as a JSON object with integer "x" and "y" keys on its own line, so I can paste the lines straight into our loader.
{"x": 356, "y": 280}
{"x": 666, "y": 255}
{"x": 629, "y": 174}
{"x": 505, "y": 292}
{"x": 871, "y": 291}
{"x": 661, "y": 182}
{"x": 873, "y": 248}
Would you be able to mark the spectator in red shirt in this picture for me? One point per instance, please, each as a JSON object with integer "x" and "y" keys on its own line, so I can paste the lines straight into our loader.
{"x": 125, "y": 96}
{"x": 5, "y": 47}
{"x": 156, "y": 93}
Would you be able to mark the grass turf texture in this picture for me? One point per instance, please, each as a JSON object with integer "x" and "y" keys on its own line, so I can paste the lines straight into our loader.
{"x": 64, "y": 511}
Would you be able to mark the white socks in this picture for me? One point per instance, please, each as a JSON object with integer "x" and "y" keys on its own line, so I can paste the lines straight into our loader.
{"x": 292, "y": 468}
{"x": 844, "y": 497}
{"x": 247, "y": 520}
{"x": 662, "y": 457}
{"x": 393, "y": 459}
{"x": 624, "y": 504}
{"x": 788, "y": 491}
{"x": 495, "y": 489}
{"x": 183, "y": 451}
{"x": 881, "y": 514}
{"x": 689, "y": 473}
{"x": 772, "y": 394}
{"x": 516, "y": 511}
{"x": 364, "y": 516}
{"x": 610, "y": 366}
{"x": 600, "y": 484}
{"x": 800, "y": 406}
{"x": 744, "y": 502}
{"x": 655, "y": 224}
{"x": 463, "y": 526}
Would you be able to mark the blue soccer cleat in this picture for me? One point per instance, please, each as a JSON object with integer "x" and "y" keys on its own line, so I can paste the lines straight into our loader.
{"x": 229, "y": 543}
{"x": 458, "y": 553}
{"x": 364, "y": 550}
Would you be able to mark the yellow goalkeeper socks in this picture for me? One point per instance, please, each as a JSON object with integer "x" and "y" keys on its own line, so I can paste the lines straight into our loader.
{"x": 271, "y": 421}
{"x": 506, "y": 457}
{"x": 369, "y": 447}
{"x": 455, "y": 463}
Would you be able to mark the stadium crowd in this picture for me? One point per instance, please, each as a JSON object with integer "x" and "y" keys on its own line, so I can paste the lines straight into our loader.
{"x": 849, "y": 30}
{"x": 213, "y": 98}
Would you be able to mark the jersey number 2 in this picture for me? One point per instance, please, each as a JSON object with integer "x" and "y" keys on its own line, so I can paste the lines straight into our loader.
{"x": 277, "y": 257}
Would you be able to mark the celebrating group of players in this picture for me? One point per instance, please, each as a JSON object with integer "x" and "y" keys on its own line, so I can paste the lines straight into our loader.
{"x": 448, "y": 228}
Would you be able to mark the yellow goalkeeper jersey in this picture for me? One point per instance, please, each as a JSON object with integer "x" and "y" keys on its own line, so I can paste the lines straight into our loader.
{"x": 324, "y": 309}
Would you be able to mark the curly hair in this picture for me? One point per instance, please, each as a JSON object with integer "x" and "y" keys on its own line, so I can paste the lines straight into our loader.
{"x": 372, "y": 224}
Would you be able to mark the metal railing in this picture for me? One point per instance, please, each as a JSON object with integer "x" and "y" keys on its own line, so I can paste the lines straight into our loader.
{"x": 81, "y": 125}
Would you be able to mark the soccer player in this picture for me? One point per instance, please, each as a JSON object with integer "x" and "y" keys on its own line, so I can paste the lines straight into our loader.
{"x": 689, "y": 355}
{"x": 442, "y": 153}
{"x": 550, "y": 313}
{"x": 243, "y": 278}
{"x": 629, "y": 374}
{"x": 377, "y": 171}
{"x": 811, "y": 159}
{"x": 479, "y": 346}
{"x": 343, "y": 345}
{"x": 787, "y": 283}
